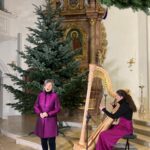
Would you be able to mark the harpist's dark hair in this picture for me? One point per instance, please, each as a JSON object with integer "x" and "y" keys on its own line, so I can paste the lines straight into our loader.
{"x": 128, "y": 99}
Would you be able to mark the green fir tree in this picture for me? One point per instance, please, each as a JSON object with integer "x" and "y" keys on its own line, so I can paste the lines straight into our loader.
{"x": 136, "y": 5}
{"x": 48, "y": 56}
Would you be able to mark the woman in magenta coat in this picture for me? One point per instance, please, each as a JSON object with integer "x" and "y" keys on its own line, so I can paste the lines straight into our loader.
{"x": 46, "y": 107}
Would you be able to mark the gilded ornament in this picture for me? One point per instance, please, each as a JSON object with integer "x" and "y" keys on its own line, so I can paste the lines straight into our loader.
{"x": 101, "y": 53}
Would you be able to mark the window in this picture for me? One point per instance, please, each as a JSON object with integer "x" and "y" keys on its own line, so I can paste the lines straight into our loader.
{"x": 1, "y": 4}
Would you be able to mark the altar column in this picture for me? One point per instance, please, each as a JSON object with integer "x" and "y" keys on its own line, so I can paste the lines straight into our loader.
{"x": 92, "y": 40}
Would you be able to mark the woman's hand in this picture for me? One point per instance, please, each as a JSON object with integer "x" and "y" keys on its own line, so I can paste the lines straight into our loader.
{"x": 41, "y": 115}
{"x": 101, "y": 107}
{"x": 45, "y": 114}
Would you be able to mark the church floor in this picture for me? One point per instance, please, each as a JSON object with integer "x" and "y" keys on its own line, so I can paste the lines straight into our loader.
{"x": 19, "y": 127}
{"x": 10, "y": 144}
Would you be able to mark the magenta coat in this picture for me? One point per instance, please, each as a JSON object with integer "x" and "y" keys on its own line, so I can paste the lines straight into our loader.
{"x": 47, "y": 102}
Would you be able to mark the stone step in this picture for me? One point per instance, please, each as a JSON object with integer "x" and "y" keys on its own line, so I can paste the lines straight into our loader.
{"x": 142, "y": 140}
{"x": 145, "y": 123}
{"x": 140, "y": 147}
{"x": 134, "y": 145}
{"x": 144, "y": 130}
{"x": 7, "y": 143}
{"x": 121, "y": 146}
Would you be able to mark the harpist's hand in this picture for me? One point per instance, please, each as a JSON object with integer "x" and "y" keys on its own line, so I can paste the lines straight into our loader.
{"x": 101, "y": 107}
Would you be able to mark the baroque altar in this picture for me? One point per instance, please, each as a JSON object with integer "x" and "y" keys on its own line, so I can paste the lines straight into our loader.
{"x": 83, "y": 24}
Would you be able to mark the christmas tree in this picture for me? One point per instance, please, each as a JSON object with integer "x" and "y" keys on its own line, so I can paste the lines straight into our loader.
{"x": 48, "y": 56}
{"x": 136, "y": 5}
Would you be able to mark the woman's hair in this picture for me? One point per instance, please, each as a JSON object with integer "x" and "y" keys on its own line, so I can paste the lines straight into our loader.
{"x": 49, "y": 81}
{"x": 126, "y": 96}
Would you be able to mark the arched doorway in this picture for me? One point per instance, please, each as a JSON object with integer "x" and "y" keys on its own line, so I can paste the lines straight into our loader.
{"x": 1, "y": 96}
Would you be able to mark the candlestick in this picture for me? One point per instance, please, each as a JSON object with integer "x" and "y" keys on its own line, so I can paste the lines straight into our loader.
{"x": 105, "y": 98}
{"x": 141, "y": 110}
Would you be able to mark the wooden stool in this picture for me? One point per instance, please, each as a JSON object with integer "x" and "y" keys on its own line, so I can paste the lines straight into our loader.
{"x": 128, "y": 137}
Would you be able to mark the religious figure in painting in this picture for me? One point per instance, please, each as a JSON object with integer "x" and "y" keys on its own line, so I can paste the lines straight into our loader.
{"x": 76, "y": 41}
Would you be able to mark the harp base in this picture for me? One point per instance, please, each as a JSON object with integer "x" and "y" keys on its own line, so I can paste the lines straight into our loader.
{"x": 78, "y": 146}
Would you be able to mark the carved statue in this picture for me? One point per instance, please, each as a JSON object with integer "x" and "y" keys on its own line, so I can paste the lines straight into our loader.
{"x": 86, "y": 3}
{"x": 61, "y": 3}
{"x": 73, "y": 2}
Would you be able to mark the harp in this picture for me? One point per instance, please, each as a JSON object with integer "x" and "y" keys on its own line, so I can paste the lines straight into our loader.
{"x": 94, "y": 71}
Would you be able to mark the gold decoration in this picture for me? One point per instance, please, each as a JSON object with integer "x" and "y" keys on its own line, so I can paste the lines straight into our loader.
{"x": 74, "y": 34}
{"x": 131, "y": 62}
{"x": 92, "y": 21}
{"x": 103, "y": 49}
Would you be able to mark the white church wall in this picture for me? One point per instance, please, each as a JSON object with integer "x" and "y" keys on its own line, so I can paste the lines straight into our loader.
{"x": 1, "y": 96}
{"x": 8, "y": 56}
{"x": 122, "y": 35}
{"x": 24, "y": 10}
{"x": 148, "y": 25}
{"x": 21, "y": 17}
{"x": 6, "y": 21}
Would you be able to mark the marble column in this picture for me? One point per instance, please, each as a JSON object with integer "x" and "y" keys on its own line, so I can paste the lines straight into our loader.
{"x": 144, "y": 58}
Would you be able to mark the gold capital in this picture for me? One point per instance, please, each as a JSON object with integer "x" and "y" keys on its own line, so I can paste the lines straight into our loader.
{"x": 92, "y": 21}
